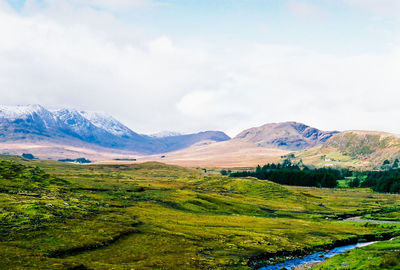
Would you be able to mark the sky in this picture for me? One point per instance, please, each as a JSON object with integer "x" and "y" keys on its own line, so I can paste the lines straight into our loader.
{"x": 195, "y": 65}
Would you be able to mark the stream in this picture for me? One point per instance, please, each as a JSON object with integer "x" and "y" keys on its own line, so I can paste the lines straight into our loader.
{"x": 313, "y": 258}
{"x": 308, "y": 261}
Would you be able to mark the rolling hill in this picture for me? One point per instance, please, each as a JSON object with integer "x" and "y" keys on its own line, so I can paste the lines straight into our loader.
{"x": 360, "y": 149}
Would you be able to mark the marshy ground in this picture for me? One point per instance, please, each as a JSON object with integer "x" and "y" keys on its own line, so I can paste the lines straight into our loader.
{"x": 152, "y": 215}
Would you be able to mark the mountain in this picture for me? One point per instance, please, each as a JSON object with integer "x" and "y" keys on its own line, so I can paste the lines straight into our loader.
{"x": 103, "y": 130}
{"x": 355, "y": 148}
{"x": 83, "y": 129}
{"x": 182, "y": 141}
{"x": 76, "y": 125}
{"x": 107, "y": 123}
{"x": 287, "y": 135}
{"x": 24, "y": 122}
{"x": 163, "y": 134}
{"x": 68, "y": 126}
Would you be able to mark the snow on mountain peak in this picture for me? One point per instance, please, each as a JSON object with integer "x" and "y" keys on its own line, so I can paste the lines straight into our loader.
{"x": 76, "y": 120}
{"x": 106, "y": 122}
{"x": 20, "y": 111}
{"x": 72, "y": 118}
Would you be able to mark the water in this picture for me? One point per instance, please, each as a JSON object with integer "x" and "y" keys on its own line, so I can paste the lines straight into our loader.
{"x": 316, "y": 257}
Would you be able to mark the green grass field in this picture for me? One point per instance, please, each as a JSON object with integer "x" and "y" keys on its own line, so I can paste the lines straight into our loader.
{"x": 382, "y": 255}
{"x": 157, "y": 216}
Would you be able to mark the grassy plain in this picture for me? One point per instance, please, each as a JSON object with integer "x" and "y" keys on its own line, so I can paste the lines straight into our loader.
{"x": 157, "y": 216}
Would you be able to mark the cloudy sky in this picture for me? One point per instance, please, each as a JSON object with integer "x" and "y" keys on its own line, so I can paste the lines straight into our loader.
{"x": 192, "y": 65}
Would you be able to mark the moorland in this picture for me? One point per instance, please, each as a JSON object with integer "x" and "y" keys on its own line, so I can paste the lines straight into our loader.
{"x": 155, "y": 216}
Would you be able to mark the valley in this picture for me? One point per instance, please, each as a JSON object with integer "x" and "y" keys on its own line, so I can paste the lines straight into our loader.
{"x": 163, "y": 202}
{"x": 199, "y": 135}
{"x": 152, "y": 215}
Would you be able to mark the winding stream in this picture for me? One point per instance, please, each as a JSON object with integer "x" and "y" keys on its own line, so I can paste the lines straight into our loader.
{"x": 313, "y": 258}
{"x": 308, "y": 261}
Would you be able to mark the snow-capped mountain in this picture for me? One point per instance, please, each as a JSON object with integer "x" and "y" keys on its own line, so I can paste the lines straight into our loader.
{"x": 19, "y": 111}
{"x": 36, "y": 123}
{"x": 103, "y": 130}
{"x": 21, "y": 122}
{"x": 75, "y": 123}
{"x": 28, "y": 113}
{"x": 107, "y": 122}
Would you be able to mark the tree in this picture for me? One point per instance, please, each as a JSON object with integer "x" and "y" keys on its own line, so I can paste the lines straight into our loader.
{"x": 355, "y": 183}
{"x": 386, "y": 162}
{"x": 385, "y": 165}
{"x": 395, "y": 163}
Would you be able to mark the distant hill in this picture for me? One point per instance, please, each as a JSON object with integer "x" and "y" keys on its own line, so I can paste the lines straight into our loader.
{"x": 287, "y": 135}
{"x": 71, "y": 134}
{"x": 163, "y": 134}
{"x": 182, "y": 141}
{"x": 361, "y": 149}
{"x": 36, "y": 124}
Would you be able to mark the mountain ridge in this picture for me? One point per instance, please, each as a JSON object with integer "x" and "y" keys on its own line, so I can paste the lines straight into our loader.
{"x": 285, "y": 135}
{"x": 74, "y": 133}
{"x": 36, "y": 123}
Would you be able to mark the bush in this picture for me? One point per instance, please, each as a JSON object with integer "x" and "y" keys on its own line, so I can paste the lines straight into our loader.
{"x": 28, "y": 156}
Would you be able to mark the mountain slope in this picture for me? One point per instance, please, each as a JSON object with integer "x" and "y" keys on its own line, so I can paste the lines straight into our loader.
{"x": 361, "y": 143}
{"x": 361, "y": 149}
{"x": 107, "y": 123}
{"x": 182, "y": 141}
{"x": 287, "y": 135}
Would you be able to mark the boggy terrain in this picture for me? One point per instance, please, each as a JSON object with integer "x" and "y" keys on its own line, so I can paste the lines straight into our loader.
{"x": 144, "y": 216}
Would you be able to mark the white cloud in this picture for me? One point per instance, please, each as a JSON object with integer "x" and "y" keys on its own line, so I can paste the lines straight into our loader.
{"x": 117, "y": 4}
{"x": 379, "y": 7}
{"x": 184, "y": 84}
{"x": 304, "y": 10}
{"x": 114, "y": 5}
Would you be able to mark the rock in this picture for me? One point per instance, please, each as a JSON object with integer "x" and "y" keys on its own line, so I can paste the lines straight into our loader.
{"x": 306, "y": 266}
